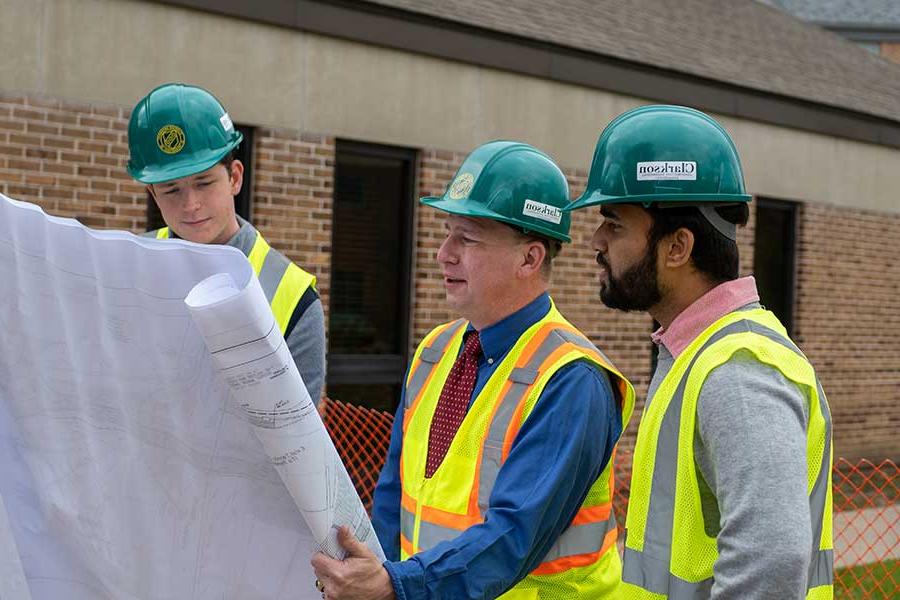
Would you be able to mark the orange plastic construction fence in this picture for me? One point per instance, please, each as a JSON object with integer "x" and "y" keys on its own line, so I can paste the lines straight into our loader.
{"x": 866, "y": 500}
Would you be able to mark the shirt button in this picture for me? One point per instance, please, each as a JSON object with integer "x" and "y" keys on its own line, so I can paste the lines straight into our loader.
{"x": 490, "y": 361}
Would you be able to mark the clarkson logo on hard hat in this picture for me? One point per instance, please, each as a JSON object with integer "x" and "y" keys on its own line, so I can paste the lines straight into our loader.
{"x": 461, "y": 186}
{"x": 542, "y": 211}
{"x": 667, "y": 170}
{"x": 170, "y": 139}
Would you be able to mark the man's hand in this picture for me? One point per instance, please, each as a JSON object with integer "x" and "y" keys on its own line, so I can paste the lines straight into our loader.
{"x": 360, "y": 576}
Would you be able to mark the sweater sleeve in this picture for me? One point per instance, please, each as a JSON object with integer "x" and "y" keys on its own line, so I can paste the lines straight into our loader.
{"x": 306, "y": 341}
{"x": 751, "y": 450}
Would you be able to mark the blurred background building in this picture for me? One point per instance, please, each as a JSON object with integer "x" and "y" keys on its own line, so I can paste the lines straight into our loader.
{"x": 352, "y": 109}
{"x": 871, "y": 24}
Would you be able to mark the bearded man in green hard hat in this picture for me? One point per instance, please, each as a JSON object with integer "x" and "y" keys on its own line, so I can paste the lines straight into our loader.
{"x": 731, "y": 483}
{"x": 182, "y": 144}
{"x": 498, "y": 477}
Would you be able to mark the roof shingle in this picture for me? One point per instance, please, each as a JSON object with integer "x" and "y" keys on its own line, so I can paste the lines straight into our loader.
{"x": 740, "y": 42}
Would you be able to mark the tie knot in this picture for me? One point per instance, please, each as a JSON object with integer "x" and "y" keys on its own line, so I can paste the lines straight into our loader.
{"x": 472, "y": 346}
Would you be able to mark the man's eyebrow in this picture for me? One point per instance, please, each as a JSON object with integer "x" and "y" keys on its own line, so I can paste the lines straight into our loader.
{"x": 609, "y": 213}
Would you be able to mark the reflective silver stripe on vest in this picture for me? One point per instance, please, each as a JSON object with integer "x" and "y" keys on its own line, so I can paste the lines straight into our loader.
{"x": 581, "y": 539}
{"x": 580, "y": 340}
{"x": 650, "y": 569}
{"x": 821, "y": 567}
{"x": 272, "y": 271}
{"x": 646, "y": 572}
{"x": 521, "y": 379}
{"x": 428, "y": 360}
{"x": 430, "y": 535}
{"x": 407, "y": 523}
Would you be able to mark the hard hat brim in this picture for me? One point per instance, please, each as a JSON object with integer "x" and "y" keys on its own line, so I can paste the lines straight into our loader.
{"x": 596, "y": 198}
{"x": 150, "y": 175}
{"x": 465, "y": 208}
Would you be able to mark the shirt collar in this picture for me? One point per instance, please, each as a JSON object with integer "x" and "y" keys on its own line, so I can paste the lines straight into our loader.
{"x": 245, "y": 237}
{"x": 497, "y": 339}
{"x": 706, "y": 310}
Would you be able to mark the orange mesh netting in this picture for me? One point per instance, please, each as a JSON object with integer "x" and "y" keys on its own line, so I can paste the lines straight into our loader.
{"x": 866, "y": 500}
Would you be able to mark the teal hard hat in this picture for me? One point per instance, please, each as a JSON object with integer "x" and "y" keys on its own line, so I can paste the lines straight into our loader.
{"x": 513, "y": 183}
{"x": 666, "y": 155}
{"x": 178, "y": 130}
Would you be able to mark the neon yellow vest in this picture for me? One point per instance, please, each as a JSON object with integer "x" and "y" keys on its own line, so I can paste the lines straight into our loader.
{"x": 283, "y": 282}
{"x": 584, "y": 562}
{"x": 668, "y": 553}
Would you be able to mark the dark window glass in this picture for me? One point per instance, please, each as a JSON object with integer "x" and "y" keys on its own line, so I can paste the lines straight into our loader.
{"x": 243, "y": 153}
{"x": 368, "y": 327}
{"x": 773, "y": 257}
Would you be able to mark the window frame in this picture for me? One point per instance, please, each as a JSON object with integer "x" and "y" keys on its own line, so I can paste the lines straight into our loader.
{"x": 792, "y": 210}
{"x": 381, "y": 369}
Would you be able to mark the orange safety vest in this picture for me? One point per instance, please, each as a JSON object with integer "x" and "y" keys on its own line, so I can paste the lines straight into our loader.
{"x": 583, "y": 563}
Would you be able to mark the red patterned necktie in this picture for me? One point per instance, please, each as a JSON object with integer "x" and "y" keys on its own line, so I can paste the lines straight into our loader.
{"x": 453, "y": 404}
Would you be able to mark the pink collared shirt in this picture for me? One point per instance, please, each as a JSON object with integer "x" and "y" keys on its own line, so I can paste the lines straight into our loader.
{"x": 706, "y": 310}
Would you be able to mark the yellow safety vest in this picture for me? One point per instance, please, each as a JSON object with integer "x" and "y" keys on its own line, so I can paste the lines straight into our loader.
{"x": 283, "y": 282}
{"x": 668, "y": 553}
{"x": 584, "y": 562}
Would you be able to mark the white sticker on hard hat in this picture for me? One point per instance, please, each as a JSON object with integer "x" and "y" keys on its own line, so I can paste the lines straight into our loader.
{"x": 667, "y": 170}
{"x": 225, "y": 120}
{"x": 542, "y": 211}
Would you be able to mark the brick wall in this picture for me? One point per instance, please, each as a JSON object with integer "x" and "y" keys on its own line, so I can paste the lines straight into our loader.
{"x": 292, "y": 198}
{"x": 848, "y": 317}
{"x": 70, "y": 159}
{"x": 890, "y": 51}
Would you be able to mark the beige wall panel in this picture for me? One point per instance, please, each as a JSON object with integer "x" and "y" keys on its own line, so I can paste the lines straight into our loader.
{"x": 117, "y": 50}
{"x": 114, "y": 51}
{"x": 22, "y": 41}
{"x": 796, "y": 165}
{"x": 369, "y": 93}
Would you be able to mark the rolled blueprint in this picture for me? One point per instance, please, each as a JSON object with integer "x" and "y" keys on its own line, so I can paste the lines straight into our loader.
{"x": 249, "y": 351}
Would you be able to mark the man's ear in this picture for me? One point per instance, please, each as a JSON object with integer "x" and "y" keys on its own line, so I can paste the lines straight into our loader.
{"x": 152, "y": 192}
{"x": 236, "y": 176}
{"x": 678, "y": 247}
{"x": 533, "y": 258}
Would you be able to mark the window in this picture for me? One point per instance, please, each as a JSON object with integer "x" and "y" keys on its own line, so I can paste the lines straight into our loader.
{"x": 773, "y": 257}
{"x": 368, "y": 324}
{"x": 244, "y": 153}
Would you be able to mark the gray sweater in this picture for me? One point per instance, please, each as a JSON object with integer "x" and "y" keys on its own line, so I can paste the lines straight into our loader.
{"x": 750, "y": 448}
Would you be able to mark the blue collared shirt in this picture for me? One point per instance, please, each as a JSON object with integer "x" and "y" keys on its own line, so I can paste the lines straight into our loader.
{"x": 559, "y": 452}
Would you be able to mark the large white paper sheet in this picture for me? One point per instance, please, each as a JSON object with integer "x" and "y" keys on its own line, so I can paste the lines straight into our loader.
{"x": 126, "y": 470}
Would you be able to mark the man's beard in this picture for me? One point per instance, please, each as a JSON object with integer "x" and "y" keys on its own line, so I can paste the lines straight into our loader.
{"x": 636, "y": 289}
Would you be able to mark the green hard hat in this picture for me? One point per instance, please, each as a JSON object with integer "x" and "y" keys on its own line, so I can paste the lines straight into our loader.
{"x": 664, "y": 154}
{"x": 513, "y": 183}
{"x": 178, "y": 130}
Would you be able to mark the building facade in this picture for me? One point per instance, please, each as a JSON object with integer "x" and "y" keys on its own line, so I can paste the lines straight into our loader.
{"x": 353, "y": 110}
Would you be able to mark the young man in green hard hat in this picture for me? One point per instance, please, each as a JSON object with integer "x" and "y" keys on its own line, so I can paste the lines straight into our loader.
{"x": 182, "y": 145}
{"x": 731, "y": 484}
{"x": 498, "y": 478}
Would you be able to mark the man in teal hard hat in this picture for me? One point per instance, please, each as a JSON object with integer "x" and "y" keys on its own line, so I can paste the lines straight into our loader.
{"x": 498, "y": 478}
{"x": 182, "y": 145}
{"x": 731, "y": 483}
